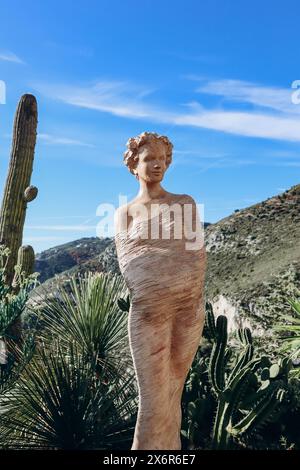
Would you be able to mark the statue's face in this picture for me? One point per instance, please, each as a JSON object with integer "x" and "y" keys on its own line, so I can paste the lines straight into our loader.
{"x": 151, "y": 165}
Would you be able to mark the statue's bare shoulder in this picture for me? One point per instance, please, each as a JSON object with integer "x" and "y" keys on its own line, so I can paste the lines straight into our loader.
{"x": 186, "y": 198}
{"x": 166, "y": 198}
{"x": 182, "y": 199}
{"x": 124, "y": 214}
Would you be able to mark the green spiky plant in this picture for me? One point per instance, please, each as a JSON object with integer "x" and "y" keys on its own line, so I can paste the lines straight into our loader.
{"x": 198, "y": 403}
{"x": 86, "y": 310}
{"x": 244, "y": 390}
{"x": 25, "y": 263}
{"x": 248, "y": 392}
{"x": 18, "y": 192}
{"x": 62, "y": 402}
{"x": 12, "y": 305}
{"x": 289, "y": 333}
{"x": 78, "y": 391}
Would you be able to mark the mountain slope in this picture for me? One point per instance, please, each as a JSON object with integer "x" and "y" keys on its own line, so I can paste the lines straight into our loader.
{"x": 253, "y": 261}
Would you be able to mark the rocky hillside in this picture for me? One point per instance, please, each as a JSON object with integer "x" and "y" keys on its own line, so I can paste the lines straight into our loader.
{"x": 253, "y": 261}
{"x": 71, "y": 256}
{"x": 57, "y": 264}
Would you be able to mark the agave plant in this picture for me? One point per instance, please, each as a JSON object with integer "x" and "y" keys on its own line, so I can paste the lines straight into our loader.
{"x": 86, "y": 311}
{"x": 61, "y": 402}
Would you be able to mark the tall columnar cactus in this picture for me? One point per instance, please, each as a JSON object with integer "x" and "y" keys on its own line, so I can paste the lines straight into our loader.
{"x": 247, "y": 391}
{"x": 25, "y": 264}
{"x": 18, "y": 192}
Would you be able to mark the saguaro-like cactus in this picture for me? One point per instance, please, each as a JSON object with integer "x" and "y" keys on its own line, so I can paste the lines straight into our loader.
{"x": 18, "y": 192}
{"x": 248, "y": 391}
{"x": 25, "y": 263}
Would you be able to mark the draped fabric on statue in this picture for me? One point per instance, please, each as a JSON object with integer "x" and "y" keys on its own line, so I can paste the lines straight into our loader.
{"x": 166, "y": 284}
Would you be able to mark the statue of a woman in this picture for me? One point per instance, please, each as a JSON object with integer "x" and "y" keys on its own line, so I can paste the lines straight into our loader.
{"x": 163, "y": 261}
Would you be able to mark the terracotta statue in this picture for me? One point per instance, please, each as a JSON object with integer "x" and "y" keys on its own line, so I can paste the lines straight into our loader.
{"x": 164, "y": 271}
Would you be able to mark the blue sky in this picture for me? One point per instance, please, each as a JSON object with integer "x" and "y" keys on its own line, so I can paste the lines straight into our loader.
{"x": 214, "y": 76}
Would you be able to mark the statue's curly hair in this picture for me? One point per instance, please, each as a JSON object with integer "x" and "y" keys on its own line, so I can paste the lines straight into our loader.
{"x": 134, "y": 143}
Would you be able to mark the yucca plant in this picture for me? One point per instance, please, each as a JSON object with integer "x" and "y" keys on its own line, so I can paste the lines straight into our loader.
{"x": 78, "y": 391}
{"x": 86, "y": 312}
{"x": 61, "y": 402}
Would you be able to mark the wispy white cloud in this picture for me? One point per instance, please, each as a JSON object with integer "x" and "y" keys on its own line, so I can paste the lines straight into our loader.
{"x": 280, "y": 122}
{"x": 56, "y": 140}
{"x": 42, "y": 239}
{"x": 224, "y": 163}
{"x": 10, "y": 57}
{"x": 275, "y": 98}
{"x": 245, "y": 124}
{"x": 186, "y": 152}
{"x": 77, "y": 228}
{"x": 115, "y": 97}
{"x": 201, "y": 159}
{"x": 64, "y": 217}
